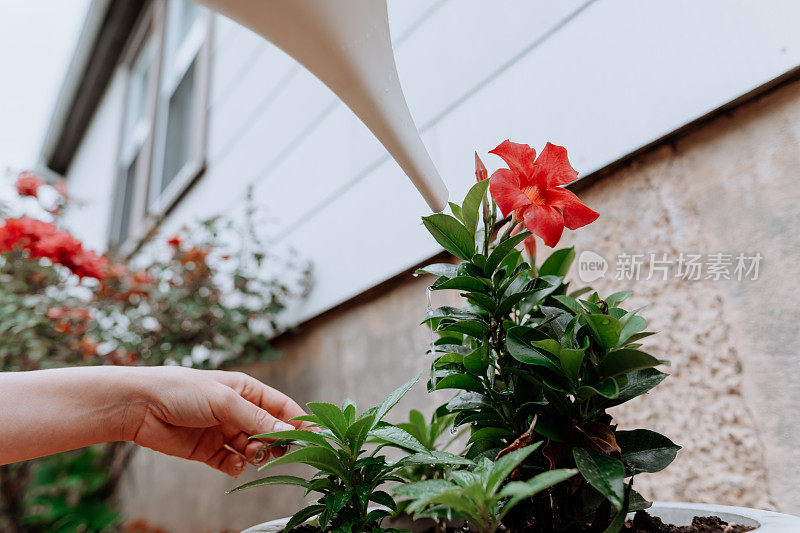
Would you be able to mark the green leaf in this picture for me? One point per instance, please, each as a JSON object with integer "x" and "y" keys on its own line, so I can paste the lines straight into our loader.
{"x": 624, "y": 361}
{"x": 335, "y": 501}
{"x": 302, "y": 515}
{"x": 503, "y": 467}
{"x": 456, "y": 209}
{"x": 297, "y": 435}
{"x": 608, "y": 388}
{"x": 460, "y": 283}
{"x": 602, "y": 472}
{"x": 520, "y": 490}
{"x": 422, "y": 489}
{"x": 357, "y": 432}
{"x": 320, "y": 458}
{"x": 451, "y": 234}
{"x": 272, "y": 480}
{"x": 483, "y": 300}
{"x": 394, "y": 397}
{"x": 432, "y": 457}
{"x": 502, "y": 250}
{"x": 489, "y": 433}
{"x": 383, "y": 498}
{"x": 618, "y": 522}
{"x": 633, "y": 325}
{"x": 474, "y": 328}
{"x": 558, "y": 263}
{"x": 525, "y": 353}
{"x": 617, "y": 298}
{"x": 447, "y": 270}
{"x": 472, "y": 203}
{"x": 478, "y": 361}
{"x": 639, "y": 382}
{"x": 605, "y": 328}
{"x": 571, "y": 361}
{"x": 398, "y": 437}
{"x": 331, "y": 417}
{"x": 549, "y": 345}
{"x": 459, "y": 381}
{"x": 468, "y": 400}
{"x": 645, "y": 451}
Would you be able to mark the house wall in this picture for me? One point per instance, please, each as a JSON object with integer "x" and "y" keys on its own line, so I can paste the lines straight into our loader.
{"x": 733, "y": 399}
{"x": 602, "y": 77}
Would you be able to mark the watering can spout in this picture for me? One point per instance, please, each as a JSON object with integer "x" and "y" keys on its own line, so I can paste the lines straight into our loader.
{"x": 346, "y": 44}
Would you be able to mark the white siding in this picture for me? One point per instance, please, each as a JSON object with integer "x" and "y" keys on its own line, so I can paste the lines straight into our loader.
{"x": 601, "y": 77}
{"x": 90, "y": 179}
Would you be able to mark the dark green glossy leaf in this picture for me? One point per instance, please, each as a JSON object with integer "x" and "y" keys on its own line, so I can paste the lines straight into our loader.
{"x": 459, "y": 381}
{"x": 473, "y": 328}
{"x": 468, "y": 400}
{"x": 624, "y": 361}
{"x": 605, "y": 328}
{"x": 617, "y": 298}
{"x": 525, "y": 353}
{"x": 639, "y": 382}
{"x": 645, "y": 451}
{"x": 383, "y": 498}
{"x": 460, "y": 283}
{"x": 472, "y": 203}
{"x": 558, "y": 263}
{"x": 478, "y": 361}
{"x": 602, "y": 472}
{"x": 502, "y": 250}
{"x": 489, "y": 433}
{"x": 451, "y": 234}
{"x": 571, "y": 361}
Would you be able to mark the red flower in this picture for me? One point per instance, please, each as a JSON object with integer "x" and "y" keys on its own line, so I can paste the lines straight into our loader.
{"x": 531, "y": 189}
{"x": 529, "y": 242}
{"x": 44, "y": 240}
{"x": 480, "y": 169}
{"x": 28, "y": 184}
{"x": 174, "y": 241}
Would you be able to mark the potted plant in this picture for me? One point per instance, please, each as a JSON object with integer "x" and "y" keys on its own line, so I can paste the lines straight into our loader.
{"x": 535, "y": 365}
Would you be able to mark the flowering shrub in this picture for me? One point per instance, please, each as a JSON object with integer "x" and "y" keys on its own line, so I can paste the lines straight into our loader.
{"x": 533, "y": 362}
{"x": 204, "y": 302}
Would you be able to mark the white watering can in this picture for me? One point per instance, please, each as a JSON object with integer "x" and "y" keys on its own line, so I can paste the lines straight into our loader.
{"x": 346, "y": 44}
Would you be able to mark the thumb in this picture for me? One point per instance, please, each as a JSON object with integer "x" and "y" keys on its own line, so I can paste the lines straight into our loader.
{"x": 250, "y": 418}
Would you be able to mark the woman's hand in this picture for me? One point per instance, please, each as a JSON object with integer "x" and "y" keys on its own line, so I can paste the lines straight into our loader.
{"x": 194, "y": 414}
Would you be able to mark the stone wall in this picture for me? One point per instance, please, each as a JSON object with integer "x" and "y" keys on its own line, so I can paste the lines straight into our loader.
{"x": 733, "y": 400}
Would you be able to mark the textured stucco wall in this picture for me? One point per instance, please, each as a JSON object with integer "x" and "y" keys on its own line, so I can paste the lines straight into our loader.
{"x": 733, "y": 400}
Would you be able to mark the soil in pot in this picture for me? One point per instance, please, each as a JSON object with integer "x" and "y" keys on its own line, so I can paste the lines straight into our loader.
{"x": 641, "y": 523}
{"x": 645, "y": 523}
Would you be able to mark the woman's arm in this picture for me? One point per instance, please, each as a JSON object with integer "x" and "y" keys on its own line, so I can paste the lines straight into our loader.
{"x": 194, "y": 414}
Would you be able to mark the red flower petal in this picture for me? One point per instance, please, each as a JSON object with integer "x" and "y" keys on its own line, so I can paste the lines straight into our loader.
{"x": 480, "y": 169}
{"x": 546, "y": 222}
{"x": 530, "y": 246}
{"x": 505, "y": 190}
{"x": 518, "y": 157}
{"x": 552, "y": 168}
{"x": 576, "y": 214}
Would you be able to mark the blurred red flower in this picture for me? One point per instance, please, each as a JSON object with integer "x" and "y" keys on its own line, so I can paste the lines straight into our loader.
{"x": 44, "y": 240}
{"x": 174, "y": 241}
{"x": 28, "y": 184}
{"x": 480, "y": 169}
{"x": 531, "y": 189}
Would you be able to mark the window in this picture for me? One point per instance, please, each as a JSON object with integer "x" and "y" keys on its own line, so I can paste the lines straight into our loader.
{"x": 162, "y": 144}
{"x": 180, "y": 137}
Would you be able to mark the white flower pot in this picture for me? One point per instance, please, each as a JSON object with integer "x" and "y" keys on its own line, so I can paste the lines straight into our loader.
{"x": 678, "y": 513}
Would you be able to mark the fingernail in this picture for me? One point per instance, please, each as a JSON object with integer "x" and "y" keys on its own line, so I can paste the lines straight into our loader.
{"x": 238, "y": 464}
{"x": 282, "y": 426}
{"x": 261, "y": 456}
